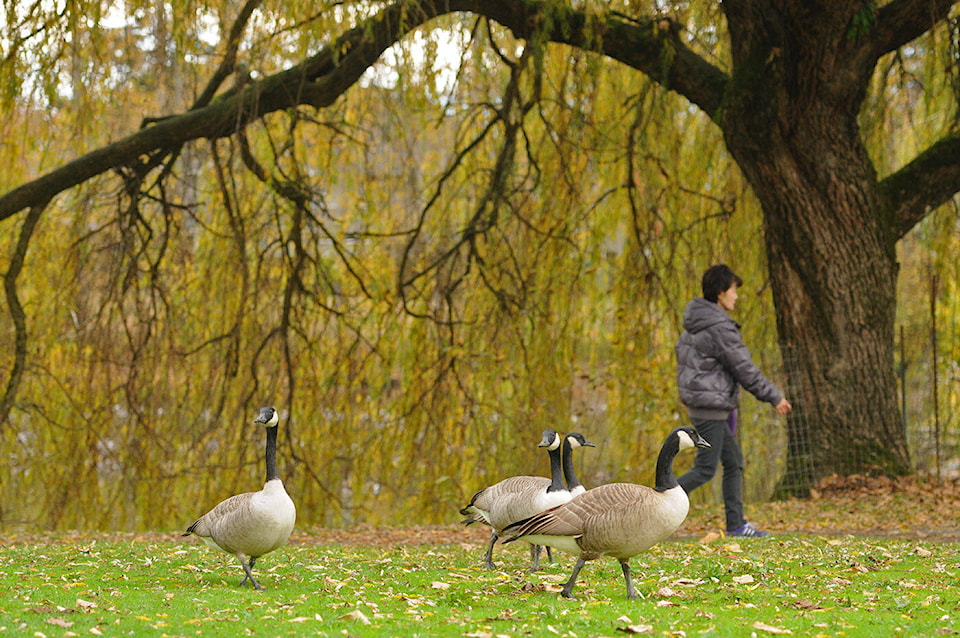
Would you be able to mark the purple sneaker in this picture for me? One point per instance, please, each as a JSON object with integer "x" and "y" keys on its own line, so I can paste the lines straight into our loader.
{"x": 747, "y": 529}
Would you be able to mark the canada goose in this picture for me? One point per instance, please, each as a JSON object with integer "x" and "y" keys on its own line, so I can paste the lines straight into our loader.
{"x": 518, "y": 497}
{"x": 252, "y": 524}
{"x": 573, "y": 440}
{"x": 617, "y": 519}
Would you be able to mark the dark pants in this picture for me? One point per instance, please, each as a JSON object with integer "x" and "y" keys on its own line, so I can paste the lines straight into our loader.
{"x": 724, "y": 449}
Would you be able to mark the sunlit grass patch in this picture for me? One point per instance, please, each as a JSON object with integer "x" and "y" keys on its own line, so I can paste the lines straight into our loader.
{"x": 809, "y": 586}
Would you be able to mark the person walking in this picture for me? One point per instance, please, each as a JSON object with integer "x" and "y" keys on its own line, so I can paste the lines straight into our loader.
{"x": 712, "y": 364}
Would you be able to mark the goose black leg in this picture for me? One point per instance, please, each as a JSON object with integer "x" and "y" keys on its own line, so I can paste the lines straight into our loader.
{"x": 248, "y": 569}
{"x": 569, "y": 585}
{"x": 535, "y": 551}
{"x": 488, "y": 558}
{"x": 625, "y": 566}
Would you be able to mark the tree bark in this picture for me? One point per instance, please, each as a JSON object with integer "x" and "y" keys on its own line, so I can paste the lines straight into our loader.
{"x": 790, "y": 120}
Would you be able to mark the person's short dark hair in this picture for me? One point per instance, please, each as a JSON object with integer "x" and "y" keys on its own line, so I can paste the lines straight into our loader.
{"x": 717, "y": 279}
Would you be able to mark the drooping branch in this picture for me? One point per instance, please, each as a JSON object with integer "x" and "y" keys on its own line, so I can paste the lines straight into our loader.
{"x": 228, "y": 64}
{"x": 318, "y": 81}
{"x": 17, "y": 314}
{"x": 652, "y": 46}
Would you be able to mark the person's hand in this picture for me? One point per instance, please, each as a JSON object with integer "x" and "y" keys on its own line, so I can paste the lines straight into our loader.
{"x": 784, "y": 407}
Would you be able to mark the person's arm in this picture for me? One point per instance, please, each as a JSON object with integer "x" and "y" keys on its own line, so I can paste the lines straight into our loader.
{"x": 736, "y": 358}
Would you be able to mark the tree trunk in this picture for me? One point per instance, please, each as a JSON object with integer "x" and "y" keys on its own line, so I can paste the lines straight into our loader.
{"x": 790, "y": 122}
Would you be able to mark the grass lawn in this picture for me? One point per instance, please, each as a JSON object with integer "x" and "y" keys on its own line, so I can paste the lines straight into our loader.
{"x": 162, "y": 585}
{"x": 865, "y": 560}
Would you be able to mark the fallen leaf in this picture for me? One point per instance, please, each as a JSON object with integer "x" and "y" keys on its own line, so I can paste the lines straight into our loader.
{"x": 806, "y": 605}
{"x": 746, "y": 579}
{"x": 688, "y": 582}
{"x": 86, "y": 604}
{"x": 60, "y": 622}
{"x": 709, "y": 537}
{"x": 439, "y": 585}
{"x": 666, "y": 592}
{"x": 356, "y": 615}
{"x": 636, "y": 629}
{"x": 770, "y": 629}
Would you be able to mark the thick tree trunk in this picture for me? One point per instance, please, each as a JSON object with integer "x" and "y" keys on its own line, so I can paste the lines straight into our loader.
{"x": 833, "y": 271}
{"x": 831, "y": 251}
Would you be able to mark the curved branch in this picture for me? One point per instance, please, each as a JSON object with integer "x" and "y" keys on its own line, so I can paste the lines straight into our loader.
{"x": 16, "y": 310}
{"x": 230, "y": 57}
{"x": 927, "y": 182}
{"x": 653, "y": 47}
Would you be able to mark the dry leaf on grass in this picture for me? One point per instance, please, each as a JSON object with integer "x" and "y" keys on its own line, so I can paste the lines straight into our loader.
{"x": 60, "y": 622}
{"x": 770, "y": 629}
{"x": 636, "y": 629}
{"x": 709, "y": 537}
{"x": 356, "y": 615}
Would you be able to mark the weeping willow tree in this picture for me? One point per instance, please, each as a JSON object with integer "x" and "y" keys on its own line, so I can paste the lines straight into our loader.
{"x": 426, "y": 231}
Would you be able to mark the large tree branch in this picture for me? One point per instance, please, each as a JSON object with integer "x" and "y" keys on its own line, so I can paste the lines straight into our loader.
{"x": 902, "y": 21}
{"x": 652, "y": 46}
{"x": 927, "y": 182}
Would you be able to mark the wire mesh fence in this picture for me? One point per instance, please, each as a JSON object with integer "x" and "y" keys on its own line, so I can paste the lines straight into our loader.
{"x": 927, "y": 373}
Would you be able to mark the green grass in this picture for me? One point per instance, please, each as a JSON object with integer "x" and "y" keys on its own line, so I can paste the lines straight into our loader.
{"x": 165, "y": 586}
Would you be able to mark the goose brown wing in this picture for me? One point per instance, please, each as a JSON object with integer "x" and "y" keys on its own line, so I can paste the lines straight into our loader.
{"x": 581, "y": 513}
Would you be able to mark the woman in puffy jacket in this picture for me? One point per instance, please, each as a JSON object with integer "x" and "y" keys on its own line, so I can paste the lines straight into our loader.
{"x": 712, "y": 364}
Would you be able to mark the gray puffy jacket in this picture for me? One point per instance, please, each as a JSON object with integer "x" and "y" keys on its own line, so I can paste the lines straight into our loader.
{"x": 712, "y": 362}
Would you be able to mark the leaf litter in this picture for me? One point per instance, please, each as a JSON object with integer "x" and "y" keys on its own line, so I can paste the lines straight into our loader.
{"x": 847, "y": 573}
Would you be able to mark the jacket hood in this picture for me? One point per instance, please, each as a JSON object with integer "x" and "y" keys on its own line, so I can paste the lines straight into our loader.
{"x": 700, "y": 314}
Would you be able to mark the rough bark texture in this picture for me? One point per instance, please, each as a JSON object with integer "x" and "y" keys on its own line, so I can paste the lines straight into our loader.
{"x": 790, "y": 119}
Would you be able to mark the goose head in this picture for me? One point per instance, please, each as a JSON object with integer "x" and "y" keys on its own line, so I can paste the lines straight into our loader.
{"x": 575, "y": 440}
{"x": 268, "y": 417}
{"x": 551, "y": 440}
{"x": 689, "y": 437}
